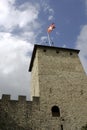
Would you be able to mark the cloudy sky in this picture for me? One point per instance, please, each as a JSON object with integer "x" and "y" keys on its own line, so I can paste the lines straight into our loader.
{"x": 24, "y": 23}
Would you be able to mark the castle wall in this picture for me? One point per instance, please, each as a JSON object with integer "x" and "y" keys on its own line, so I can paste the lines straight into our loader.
{"x": 16, "y": 114}
{"x": 58, "y": 81}
{"x": 55, "y": 60}
{"x": 34, "y": 78}
{"x": 62, "y": 82}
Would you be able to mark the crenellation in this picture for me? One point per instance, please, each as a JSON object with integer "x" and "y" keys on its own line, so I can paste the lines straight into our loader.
{"x": 17, "y": 113}
{"x": 58, "y": 93}
{"x": 6, "y": 97}
{"x": 21, "y": 98}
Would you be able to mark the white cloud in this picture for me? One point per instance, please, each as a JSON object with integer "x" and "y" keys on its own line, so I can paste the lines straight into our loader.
{"x": 64, "y": 46}
{"x": 10, "y": 16}
{"x": 43, "y": 38}
{"x": 81, "y": 42}
{"x": 48, "y": 10}
{"x": 50, "y": 17}
{"x": 82, "y": 45}
{"x": 18, "y": 30}
{"x": 51, "y": 14}
{"x": 14, "y": 48}
{"x": 10, "y": 49}
{"x": 14, "y": 76}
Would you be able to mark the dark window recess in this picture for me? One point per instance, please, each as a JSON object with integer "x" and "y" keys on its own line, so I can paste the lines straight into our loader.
{"x": 61, "y": 127}
{"x": 57, "y": 51}
{"x": 81, "y": 92}
{"x": 50, "y": 90}
{"x": 55, "y": 111}
{"x": 44, "y": 50}
{"x": 71, "y": 53}
{"x": 62, "y": 119}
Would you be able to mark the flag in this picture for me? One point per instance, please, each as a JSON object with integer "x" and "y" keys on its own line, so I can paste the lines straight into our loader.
{"x": 51, "y": 27}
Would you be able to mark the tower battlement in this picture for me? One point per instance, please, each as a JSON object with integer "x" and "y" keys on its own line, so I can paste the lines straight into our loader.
{"x": 21, "y": 98}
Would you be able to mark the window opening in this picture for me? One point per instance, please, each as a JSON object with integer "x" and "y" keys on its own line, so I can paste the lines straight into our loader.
{"x": 44, "y": 50}
{"x": 71, "y": 53}
{"x": 50, "y": 90}
{"x": 55, "y": 111}
{"x": 57, "y": 51}
{"x": 61, "y": 127}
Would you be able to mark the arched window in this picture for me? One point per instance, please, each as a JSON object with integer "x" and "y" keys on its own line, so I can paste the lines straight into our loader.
{"x": 55, "y": 111}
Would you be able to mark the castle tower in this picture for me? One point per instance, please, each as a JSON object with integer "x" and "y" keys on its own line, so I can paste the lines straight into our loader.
{"x": 58, "y": 79}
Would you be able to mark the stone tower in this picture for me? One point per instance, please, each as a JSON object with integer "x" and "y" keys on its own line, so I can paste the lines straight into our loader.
{"x": 60, "y": 84}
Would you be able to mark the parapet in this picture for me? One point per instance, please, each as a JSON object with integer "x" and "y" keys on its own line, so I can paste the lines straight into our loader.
{"x": 6, "y": 97}
{"x": 21, "y": 98}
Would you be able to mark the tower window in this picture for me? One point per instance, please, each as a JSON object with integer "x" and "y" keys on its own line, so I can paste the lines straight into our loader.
{"x": 50, "y": 90}
{"x": 71, "y": 53}
{"x": 61, "y": 127}
{"x": 57, "y": 51}
{"x": 44, "y": 50}
{"x": 55, "y": 111}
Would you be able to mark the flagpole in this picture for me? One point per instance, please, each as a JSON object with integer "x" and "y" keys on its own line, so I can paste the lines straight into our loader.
{"x": 49, "y": 39}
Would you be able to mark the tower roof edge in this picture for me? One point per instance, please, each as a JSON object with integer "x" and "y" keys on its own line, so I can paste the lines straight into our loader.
{"x": 47, "y": 47}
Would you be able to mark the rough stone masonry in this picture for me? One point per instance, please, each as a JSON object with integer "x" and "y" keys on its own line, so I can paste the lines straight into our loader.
{"x": 58, "y": 94}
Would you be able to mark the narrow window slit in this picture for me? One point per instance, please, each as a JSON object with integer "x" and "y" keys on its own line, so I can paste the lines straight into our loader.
{"x": 61, "y": 127}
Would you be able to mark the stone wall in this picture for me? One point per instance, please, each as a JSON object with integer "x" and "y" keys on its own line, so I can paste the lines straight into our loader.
{"x": 16, "y": 114}
{"x": 58, "y": 81}
{"x": 62, "y": 83}
{"x": 34, "y": 78}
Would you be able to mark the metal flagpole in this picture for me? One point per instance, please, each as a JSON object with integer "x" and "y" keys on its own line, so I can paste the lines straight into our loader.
{"x": 49, "y": 39}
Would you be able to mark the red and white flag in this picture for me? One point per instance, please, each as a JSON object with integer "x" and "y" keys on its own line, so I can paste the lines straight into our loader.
{"x": 51, "y": 27}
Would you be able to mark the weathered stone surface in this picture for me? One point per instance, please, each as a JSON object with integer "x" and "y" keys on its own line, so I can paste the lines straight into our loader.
{"x": 57, "y": 79}
{"x": 15, "y": 114}
{"x": 63, "y": 83}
